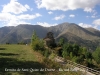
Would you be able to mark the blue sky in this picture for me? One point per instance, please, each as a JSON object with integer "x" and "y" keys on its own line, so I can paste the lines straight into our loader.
{"x": 85, "y": 13}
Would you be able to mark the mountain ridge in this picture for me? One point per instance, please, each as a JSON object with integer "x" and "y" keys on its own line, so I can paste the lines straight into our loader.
{"x": 70, "y": 31}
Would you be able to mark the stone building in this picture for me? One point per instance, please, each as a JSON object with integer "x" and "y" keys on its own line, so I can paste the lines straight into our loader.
{"x": 49, "y": 40}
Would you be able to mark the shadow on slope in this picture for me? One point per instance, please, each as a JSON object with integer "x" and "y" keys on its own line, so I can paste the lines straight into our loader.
{"x": 2, "y": 48}
{"x": 24, "y": 66}
{"x": 8, "y": 54}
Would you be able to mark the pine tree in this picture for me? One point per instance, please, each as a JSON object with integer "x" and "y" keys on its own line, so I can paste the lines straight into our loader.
{"x": 34, "y": 37}
{"x": 35, "y": 41}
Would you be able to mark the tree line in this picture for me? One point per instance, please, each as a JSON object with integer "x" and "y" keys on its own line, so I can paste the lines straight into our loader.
{"x": 73, "y": 52}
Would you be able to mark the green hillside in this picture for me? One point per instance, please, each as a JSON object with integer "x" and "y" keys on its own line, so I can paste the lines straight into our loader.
{"x": 19, "y": 56}
{"x": 22, "y": 60}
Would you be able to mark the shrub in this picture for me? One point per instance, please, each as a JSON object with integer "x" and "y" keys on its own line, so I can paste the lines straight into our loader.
{"x": 96, "y": 55}
{"x": 46, "y": 53}
{"x": 35, "y": 45}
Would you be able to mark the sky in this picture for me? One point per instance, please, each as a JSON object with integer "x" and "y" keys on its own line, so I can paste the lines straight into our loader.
{"x": 85, "y": 13}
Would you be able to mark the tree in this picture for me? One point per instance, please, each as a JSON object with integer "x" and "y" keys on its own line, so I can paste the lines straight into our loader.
{"x": 34, "y": 37}
{"x": 88, "y": 55}
{"x": 96, "y": 55}
{"x": 71, "y": 55}
{"x": 65, "y": 52}
{"x": 36, "y": 43}
{"x": 61, "y": 41}
{"x": 84, "y": 50}
{"x": 80, "y": 59}
{"x": 41, "y": 44}
{"x": 67, "y": 48}
{"x": 75, "y": 49}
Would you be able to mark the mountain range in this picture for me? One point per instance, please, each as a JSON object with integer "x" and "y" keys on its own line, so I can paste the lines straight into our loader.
{"x": 73, "y": 33}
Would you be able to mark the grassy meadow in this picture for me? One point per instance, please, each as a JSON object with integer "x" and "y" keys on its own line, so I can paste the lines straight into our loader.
{"x": 19, "y": 60}
{"x": 22, "y": 60}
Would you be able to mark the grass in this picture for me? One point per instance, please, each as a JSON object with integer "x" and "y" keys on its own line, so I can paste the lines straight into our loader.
{"x": 19, "y": 57}
{"x": 22, "y": 60}
{"x": 20, "y": 52}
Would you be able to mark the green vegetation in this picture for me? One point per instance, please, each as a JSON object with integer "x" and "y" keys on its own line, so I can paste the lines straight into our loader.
{"x": 22, "y": 60}
{"x": 19, "y": 57}
{"x": 68, "y": 51}
{"x": 49, "y": 54}
{"x": 61, "y": 42}
{"x": 36, "y": 43}
{"x": 79, "y": 54}
{"x": 96, "y": 55}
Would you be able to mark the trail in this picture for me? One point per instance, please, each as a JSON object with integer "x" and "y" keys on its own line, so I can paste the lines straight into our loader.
{"x": 73, "y": 67}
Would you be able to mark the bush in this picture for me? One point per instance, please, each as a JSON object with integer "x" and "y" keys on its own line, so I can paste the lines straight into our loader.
{"x": 46, "y": 53}
{"x": 35, "y": 45}
{"x": 96, "y": 55}
{"x": 41, "y": 45}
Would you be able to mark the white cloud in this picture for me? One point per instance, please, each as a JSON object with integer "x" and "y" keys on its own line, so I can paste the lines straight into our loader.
{"x": 50, "y": 12}
{"x": 27, "y": 16}
{"x": 72, "y": 15}
{"x": 15, "y": 7}
{"x": 88, "y": 9}
{"x": 85, "y": 25}
{"x": 13, "y": 20}
{"x": 93, "y": 16}
{"x": 96, "y": 22}
{"x": 45, "y": 24}
{"x": 27, "y": 7}
{"x": 59, "y": 17}
{"x": 12, "y": 14}
{"x": 5, "y": 16}
{"x": 65, "y": 5}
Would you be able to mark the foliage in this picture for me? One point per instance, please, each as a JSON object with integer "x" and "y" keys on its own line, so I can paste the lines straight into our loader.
{"x": 67, "y": 48}
{"x": 96, "y": 55}
{"x": 34, "y": 37}
{"x": 71, "y": 55}
{"x": 76, "y": 53}
{"x": 84, "y": 50}
{"x": 36, "y": 43}
{"x": 61, "y": 41}
{"x": 41, "y": 44}
{"x": 69, "y": 51}
{"x": 75, "y": 49}
{"x": 88, "y": 55}
{"x": 46, "y": 53}
{"x": 64, "y": 54}
{"x": 7, "y": 43}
